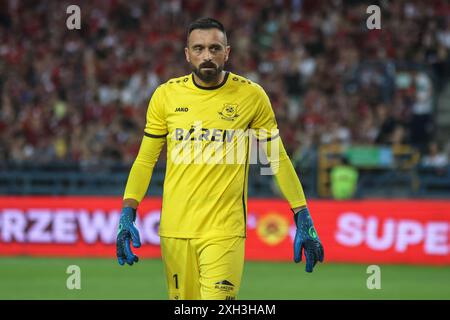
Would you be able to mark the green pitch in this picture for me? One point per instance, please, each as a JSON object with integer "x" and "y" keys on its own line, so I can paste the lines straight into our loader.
{"x": 45, "y": 278}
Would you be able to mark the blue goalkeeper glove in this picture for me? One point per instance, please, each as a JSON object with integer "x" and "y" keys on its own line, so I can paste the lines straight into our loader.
{"x": 306, "y": 238}
{"x": 127, "y": 231}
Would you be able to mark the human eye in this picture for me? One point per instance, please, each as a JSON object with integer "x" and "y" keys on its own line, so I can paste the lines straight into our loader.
{"x": 197, "y": 49}
{"x": 215, "y": 48}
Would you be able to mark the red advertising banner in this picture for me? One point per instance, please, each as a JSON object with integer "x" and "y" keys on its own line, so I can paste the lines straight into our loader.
{"x": 375, "y": 231}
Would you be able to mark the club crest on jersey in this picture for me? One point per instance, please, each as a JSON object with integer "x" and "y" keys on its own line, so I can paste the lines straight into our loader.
{"x": 229, "y": 112}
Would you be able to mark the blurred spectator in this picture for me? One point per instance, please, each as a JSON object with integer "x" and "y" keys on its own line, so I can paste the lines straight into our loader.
{"x": 344, "y": 180}
{"x": 421, "y": 121}
{"x": 435, "y": 158}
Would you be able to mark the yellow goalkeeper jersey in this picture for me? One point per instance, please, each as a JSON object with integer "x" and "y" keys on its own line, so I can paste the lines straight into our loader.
{"x": 207, "y": 131}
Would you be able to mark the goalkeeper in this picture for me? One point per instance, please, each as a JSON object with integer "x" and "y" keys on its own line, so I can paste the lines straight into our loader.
{"x": 202, "y": 117}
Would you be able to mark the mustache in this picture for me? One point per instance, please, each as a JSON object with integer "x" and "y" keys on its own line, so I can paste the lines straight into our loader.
{"x": 208, "y": 64}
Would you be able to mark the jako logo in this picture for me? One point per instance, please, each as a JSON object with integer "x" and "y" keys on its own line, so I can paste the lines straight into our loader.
{"x": 181, "y": 109}
{"x": 354, "y": 229}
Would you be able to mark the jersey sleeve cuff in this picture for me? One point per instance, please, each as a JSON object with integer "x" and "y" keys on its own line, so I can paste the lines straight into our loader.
{"x": 152, "y": 135}
{"x": 297, "y": 204}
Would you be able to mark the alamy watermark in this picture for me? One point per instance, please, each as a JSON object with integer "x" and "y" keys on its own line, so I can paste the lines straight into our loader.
{"x": 374, "y": 280}
{"x": 374, "y": 20}
{"x": 200, "y": 145}
{"x": 73, "y": 281}
{"x": 74, "y": 20}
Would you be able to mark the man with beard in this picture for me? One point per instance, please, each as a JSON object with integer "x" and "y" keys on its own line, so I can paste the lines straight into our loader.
{"x": 205, "y": 118}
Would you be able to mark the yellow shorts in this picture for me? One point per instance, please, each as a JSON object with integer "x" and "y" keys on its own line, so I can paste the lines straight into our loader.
{"x": 204, "y": 268}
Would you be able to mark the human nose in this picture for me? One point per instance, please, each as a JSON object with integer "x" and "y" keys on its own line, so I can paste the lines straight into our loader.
{"x": 207, "y": 56}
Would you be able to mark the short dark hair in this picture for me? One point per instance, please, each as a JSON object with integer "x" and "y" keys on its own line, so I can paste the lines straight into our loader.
{"x": 206, "y": 23}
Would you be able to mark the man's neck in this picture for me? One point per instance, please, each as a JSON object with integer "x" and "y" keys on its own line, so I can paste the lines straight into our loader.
{"x": 209, "y": 84}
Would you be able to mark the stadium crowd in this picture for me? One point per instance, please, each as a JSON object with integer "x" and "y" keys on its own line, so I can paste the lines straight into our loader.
{"x": 81, "y": 95}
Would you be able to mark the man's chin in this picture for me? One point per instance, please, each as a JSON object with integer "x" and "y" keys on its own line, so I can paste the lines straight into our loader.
{"x": 208, "y": 76}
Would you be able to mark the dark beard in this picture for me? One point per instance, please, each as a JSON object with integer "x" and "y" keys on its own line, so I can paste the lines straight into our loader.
{"x": 209, "y": 76}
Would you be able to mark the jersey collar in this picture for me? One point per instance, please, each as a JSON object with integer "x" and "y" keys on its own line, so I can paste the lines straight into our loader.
{"x": 211, "y": 88}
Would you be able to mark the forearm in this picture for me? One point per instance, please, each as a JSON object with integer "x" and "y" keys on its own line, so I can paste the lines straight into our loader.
{"x": 141, "y": 171}
{"x": 285, "y": 175}
{"x": 132, "y": 203}
{"x": 295, "y": 210}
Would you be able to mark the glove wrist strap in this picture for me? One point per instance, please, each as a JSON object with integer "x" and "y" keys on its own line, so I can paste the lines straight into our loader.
{"x": 303, "y": 211}
{"x": 129, "y": 211}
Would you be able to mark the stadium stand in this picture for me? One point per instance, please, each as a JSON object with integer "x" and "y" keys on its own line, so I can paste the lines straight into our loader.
{"x": 73, "y": 101}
